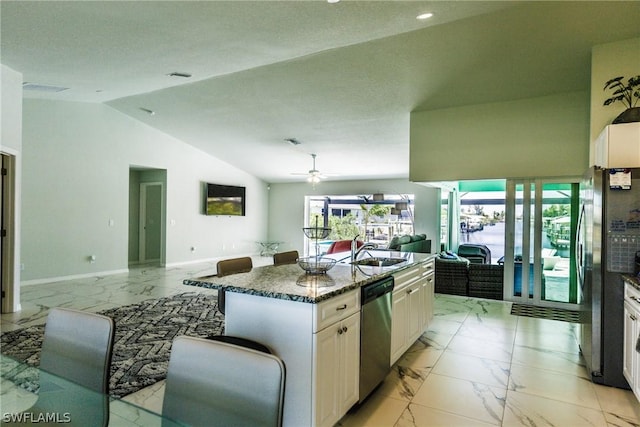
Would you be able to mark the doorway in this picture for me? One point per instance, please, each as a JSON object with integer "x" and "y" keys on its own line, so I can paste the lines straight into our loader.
{"x": 7, "y": 233}
{"x": 150, "y": 246}
{"x": 147, "y": 209}
{"x": 540, "y": 246}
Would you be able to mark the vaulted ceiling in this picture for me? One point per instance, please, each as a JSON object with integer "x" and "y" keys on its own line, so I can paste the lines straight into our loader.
{"x": 341, "y": 79}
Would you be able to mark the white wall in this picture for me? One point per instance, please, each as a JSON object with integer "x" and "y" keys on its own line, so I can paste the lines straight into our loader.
{"x": 538, "y": 137}
{"x": 11, "y": 109}
{"x": 608, "y": 61}
{"x": 77, "y": 158}
{"x": 11, "y": 145}
{"x": 286, "y": 207}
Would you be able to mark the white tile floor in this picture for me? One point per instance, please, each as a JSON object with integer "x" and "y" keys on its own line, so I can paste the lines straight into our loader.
{"x": 476, "y": 365}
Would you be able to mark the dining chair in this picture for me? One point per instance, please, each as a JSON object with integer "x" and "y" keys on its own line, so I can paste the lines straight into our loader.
{"x": 231, "y": 266}
{"x": 289, "y": 257}
{"x": 214, "y": 383}
{"x": 77, "y": 347}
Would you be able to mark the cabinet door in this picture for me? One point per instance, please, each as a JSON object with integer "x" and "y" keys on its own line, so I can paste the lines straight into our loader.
{"x": 427, "y": 296}
{"x": 629, "y": 343}
{"x": 416, "y": 305}
{"x": 349, "y": 342}
{"x": 399, "y": 324}
{"x": 636, "y": 356}
{"x": 327, "y": 375}
{"x": 337, "y": 370}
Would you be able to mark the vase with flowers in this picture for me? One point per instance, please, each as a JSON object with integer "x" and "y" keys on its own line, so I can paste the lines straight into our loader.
{"x": 628, "y": 94}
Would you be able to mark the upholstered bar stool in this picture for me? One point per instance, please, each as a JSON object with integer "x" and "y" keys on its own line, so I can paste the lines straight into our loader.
{"x": 289, "y": 257}
{"x": 231, "y": 266}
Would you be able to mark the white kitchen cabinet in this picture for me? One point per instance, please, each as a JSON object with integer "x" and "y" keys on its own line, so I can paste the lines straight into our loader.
{"x": 630, "y": 329}
{"x": 415, "y": 313}
{"x": 320, "y": 362}
{"x": 618, "y": 146}
{"x": 631, "y": 356}
{"x": 336, "y": 365}
{"x": 412, "y": 306}
{"x": 399, "y": 322}
{"x": 428, "y": 290}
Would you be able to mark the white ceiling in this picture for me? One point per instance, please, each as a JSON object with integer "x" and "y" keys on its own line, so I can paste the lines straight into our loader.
{"x": 340, "y": 78}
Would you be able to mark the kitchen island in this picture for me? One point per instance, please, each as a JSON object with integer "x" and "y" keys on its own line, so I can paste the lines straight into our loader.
{"x": 312, "y": 322}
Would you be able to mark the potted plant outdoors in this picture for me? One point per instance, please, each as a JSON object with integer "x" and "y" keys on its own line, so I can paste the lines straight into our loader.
{"x": 628, "y": 94}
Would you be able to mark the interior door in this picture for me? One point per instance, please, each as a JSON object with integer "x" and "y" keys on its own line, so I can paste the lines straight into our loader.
{"x": 151, "y": 202}
{"x": 7, "y": 231}
{"x": 4, "y": 265}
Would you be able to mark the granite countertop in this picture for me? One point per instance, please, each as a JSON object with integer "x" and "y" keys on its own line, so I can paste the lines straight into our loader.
{"x": 632, "y": 280}
{"x": 290, "y": 282}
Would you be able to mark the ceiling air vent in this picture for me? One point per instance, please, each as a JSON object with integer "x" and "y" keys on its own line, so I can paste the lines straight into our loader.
{"x": 179, "y": 74}
{"x": 42, "y": 88}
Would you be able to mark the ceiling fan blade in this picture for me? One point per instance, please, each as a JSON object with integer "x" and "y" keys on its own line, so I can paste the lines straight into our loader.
{"x": 313, "y": 172}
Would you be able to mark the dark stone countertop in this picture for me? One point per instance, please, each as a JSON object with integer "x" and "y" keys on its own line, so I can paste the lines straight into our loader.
{"x": 632, "y": 280}
{"x": 290, "y": 282}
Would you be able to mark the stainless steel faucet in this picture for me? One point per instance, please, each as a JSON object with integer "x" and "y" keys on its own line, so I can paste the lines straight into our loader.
{"x": 355, "y": 250}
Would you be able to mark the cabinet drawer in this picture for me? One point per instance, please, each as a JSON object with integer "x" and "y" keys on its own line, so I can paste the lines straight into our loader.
{"x": 427, "y": 268}
{"x": 631, "y": 293}
{"x": 335, "y": 309}
{"x": 405, "y": 277}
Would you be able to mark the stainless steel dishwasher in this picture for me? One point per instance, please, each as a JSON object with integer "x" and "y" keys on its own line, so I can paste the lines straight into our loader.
{"x": 375, "y": 335}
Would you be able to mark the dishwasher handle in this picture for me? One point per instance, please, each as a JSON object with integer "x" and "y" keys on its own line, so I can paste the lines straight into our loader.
{"x": 375, "y": 290}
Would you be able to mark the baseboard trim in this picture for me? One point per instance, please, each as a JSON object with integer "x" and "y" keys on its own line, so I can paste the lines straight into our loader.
{"x": 214, "y": 260}
{"x": 72, "y": 277}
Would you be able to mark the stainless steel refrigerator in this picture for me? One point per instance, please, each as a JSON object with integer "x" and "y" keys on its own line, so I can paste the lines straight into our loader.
{"x": 608, "y": 239}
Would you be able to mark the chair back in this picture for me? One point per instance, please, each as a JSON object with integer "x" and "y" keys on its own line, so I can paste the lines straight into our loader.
{"x": 216, "y": 383}
{"x": 77, "y": 346}
{"x": 233, "y": 266}
{"x": 343, "y": 246}
{"x": 290, "y": 257}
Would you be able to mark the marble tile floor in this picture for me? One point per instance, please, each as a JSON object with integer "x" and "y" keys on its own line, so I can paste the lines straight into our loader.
{"x": 476, "y": 365}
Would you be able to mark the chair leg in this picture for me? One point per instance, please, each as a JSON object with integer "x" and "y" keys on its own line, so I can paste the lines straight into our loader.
{"x": 221, "y": 300}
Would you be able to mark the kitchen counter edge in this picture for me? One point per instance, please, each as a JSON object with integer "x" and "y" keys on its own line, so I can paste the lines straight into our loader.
{"x": 289, "y": 288}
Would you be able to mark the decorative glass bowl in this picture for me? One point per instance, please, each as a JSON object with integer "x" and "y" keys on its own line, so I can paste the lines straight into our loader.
{"x": 316, "y": 265}
{"x": 316, "y": 232}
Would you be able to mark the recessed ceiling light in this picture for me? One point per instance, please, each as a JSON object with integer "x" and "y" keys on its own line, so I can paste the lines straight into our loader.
{"x": 333, "y": 1}
{"x": 424, "y": 16}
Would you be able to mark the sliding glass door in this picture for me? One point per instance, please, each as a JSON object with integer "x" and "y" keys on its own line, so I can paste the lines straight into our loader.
{"x": 541, "y": 221}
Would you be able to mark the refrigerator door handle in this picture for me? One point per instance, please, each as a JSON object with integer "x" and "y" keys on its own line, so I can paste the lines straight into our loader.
{"x": 579, "y": 250}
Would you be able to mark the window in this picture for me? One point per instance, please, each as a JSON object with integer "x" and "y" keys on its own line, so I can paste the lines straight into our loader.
{"x": 359, "y": 215}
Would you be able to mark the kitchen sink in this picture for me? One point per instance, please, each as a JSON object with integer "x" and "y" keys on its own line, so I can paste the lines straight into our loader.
{"x": 379, "y": 261}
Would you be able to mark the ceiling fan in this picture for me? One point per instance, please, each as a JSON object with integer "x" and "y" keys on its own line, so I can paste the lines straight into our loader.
{"x": 313, "y": 175}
